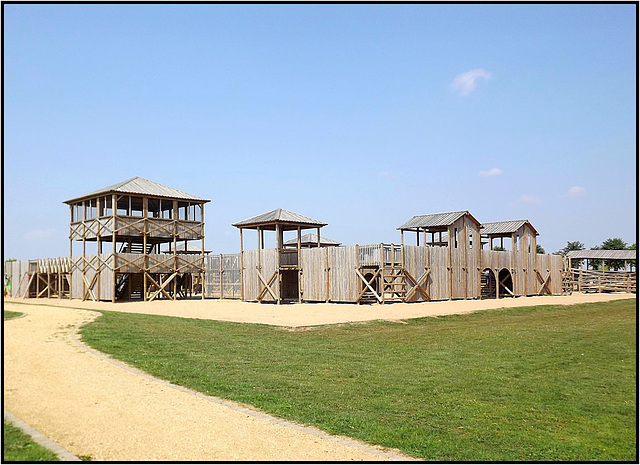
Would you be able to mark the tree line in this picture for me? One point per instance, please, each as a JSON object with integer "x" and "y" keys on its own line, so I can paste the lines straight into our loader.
{"x": 614, "y": 243}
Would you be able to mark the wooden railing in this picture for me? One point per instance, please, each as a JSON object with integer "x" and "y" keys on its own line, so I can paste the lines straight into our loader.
{"x": 603, "y": 281}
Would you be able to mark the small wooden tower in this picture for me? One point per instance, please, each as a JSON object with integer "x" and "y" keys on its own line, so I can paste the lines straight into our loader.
{"x": 521, "y": 278}
{"x": 279, "y": 280}
{"x": 459, "y": 232}
{"x": 143, "y": 223}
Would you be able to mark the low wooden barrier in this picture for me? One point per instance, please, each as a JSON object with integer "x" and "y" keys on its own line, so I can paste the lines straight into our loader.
{"x": 603, "y": 281}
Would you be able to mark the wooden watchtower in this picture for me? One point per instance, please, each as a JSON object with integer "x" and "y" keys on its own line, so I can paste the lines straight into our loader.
{"x": 274, "y": 274}
{"x": 523, "y": 276}
{"x": 136, "y": 229}
{"x": 457, "y": 235}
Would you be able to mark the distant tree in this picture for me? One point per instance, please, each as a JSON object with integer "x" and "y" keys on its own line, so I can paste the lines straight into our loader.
{"x": 571, "y": 245}
{"x": 632, "y": 262}
{"x": 540, "y": 249}
{"x": 596, "y": 263}
{"x": 11, "y": 260}
{"x": 497, "y": 248}
{"x": 613, "y": 244}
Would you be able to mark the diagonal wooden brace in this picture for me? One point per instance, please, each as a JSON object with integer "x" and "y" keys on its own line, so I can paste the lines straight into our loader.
{"x": 502, "y": 284}
{"x": 417, "y": 285}
{"x": 89, "y": 287}
{"x": 267, "y": 285}
{"x": 545, "y": 282}
{"x": 368, "y": 284}
{"x": 161, "y": 288}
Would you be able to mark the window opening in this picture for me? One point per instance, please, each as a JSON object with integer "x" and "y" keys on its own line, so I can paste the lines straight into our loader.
{"x": 122, "y": 206}
{"x": 136, "y": 206}
{"x": 153, "y": 208}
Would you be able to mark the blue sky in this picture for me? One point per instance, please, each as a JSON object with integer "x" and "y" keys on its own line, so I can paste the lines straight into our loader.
{"x": 360, "y": 116}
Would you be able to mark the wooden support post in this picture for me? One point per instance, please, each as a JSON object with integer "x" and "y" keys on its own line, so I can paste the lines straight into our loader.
{"x": 259, "y": 265}
{"x": 113, "y": 245}
{"x": 449, "y": 265}
{"x": 241, "y": 269}
{"x": 279, "y": 234}
{"x": 326, "y": 269}
{"x": 478, "y": 250}
{"x": 427, "y": 267}
{"x": 381, "y": 264}
{"x": 357, "y": 267}
{"x": 580, "y": 280}
{"x": 299, "y": 263}
{"x": 525, "y": 259}
{"x": 175, "y": 288}
{"x": 98, "y": 263}
{"x": 465, "y": 244}
{"x": 59, "y": 279}
{"x": 221, "y": 272}
{"x": 84, "y": 263}
{"x": 71, "y": 220}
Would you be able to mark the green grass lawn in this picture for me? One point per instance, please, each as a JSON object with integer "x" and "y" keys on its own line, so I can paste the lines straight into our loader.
{"x": 551, "y": 383}
{"x": 7, "y": 315}
{"x": 18, "y": 447}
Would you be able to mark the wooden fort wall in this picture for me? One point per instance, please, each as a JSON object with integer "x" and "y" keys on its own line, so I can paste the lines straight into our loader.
{"x": 260, "y": 268}
{"x": 326, "y": 274}
{"x": 329, "y": 274}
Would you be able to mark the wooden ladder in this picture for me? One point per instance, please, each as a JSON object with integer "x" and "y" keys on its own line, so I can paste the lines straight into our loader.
{"x": 393, "y": 284}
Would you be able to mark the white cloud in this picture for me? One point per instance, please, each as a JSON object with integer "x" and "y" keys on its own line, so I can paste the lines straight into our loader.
{"x": 527, "y": 199}
{"x": 465, "y": 83}
{"x": 491, "y": 172}
{"x": 577, "y": 191}
{"x": 39, "y": 234}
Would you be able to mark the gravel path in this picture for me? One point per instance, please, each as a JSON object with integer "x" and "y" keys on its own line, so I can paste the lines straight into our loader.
{"x": 94, "y": 406}
{"x": 91, "y": 406}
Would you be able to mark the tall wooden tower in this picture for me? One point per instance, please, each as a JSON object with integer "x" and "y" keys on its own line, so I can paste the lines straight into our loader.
{"x": 136, "y": 230}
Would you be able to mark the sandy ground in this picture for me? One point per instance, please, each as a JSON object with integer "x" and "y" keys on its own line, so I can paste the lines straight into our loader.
{"x": 294, "y": 315}
{"x": 91, "y": 405}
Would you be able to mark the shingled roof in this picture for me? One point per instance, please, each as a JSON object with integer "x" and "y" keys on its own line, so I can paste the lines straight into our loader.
{"x": 435, "y": 220}
{"x": 279, "y": 216}
{"x": 140, "y": 186}
{"x": 504, "y": 227}
{"x": 603, "y": 254}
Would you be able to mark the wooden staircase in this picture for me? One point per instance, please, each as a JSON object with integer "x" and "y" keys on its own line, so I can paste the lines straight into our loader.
{"x": 136, "y": 247}
{"x": 487, "y": 287}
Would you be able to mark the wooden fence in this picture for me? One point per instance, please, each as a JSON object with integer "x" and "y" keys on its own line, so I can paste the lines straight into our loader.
{"x": 432, "y": 273}
{"x": 602, "y": 281}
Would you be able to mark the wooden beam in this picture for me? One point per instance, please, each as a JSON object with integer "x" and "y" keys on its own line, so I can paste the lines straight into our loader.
{"x": 267, "y": 285}
{"x": 368, "y": 284}
{"x": 326, "y": 269}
